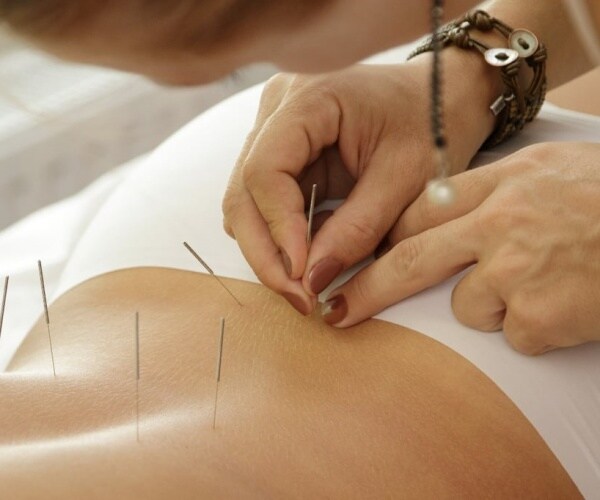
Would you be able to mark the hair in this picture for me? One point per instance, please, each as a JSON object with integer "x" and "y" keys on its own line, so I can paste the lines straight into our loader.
{"x": 198, "y": 22}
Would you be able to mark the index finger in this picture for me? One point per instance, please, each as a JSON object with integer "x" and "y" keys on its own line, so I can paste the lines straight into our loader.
{"x": 411, "y": 266}
{"x": 269, "y": 101}
{"x": 290, "y": 140}
{"x": 264, "y": 257}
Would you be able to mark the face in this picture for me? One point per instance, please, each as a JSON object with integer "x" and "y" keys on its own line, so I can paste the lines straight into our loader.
{"x": 123, "y": 38}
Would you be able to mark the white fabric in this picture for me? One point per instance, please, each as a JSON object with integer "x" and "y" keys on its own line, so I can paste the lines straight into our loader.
{"x": 48, "y": 235}
{"x": 176, "y": 195}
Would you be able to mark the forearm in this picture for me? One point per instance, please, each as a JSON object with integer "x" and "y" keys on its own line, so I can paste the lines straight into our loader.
{"x": 471, "y": 85}
{"x": 551, "y": 23}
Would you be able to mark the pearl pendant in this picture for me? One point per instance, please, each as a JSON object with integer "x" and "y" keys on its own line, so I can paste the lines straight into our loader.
{"x": 441, "y": 192}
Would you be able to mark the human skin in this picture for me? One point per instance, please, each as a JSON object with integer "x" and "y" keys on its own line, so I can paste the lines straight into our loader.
{"x": 301, "y": 117}
{"x": 381, "y": 146}
{"x": 304, "y": 410}
{"x": 125, "y": 36}
{"x": 580, "y": 94}
{"x": 531, "y": 224}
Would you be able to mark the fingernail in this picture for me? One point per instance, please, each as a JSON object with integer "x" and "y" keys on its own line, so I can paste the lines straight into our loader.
{"x": 334, "y": 310}
{"x": 296, "y": 302}
{"x": 323, "y": 273}
{"x": 287, "y": 262}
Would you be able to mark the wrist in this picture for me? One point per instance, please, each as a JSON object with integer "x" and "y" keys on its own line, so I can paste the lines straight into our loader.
{"x": 472, "y": 85}
{"x": 469, "y": 87}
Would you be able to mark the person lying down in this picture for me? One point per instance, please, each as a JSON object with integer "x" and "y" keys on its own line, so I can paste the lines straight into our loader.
{"x": 302, "y": 410}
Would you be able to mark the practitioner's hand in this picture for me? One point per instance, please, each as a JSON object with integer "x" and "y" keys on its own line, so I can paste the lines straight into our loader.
{"x": 362, "y": 133}
{"x": 530, "y": 223}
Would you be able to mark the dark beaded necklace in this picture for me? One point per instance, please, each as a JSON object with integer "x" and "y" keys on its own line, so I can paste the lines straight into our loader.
{"x": 437, "y": 126}
{"x": 439, "y": 190}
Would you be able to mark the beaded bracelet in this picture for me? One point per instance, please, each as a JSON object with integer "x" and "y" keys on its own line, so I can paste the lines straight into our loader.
{"x": 515, "y": 106}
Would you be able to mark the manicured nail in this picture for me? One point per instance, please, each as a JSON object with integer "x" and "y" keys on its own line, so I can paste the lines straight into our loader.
{"x": 296, "y": 302}
{"x": 334, "y": 310}
{"x": 287, "y": 262}
{"x": 323, "y": 273}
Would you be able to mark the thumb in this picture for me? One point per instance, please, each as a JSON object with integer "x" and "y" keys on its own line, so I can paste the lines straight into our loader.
{"x": 362, "y": 221}
{"x": 289, "y": 142}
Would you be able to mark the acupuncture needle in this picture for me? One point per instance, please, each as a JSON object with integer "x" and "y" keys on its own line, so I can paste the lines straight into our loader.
{"x": 311, "y": 213}
{"x": 3, "y": 304}
{"x": 210, "y": 271}
{"x": 47, "y": 315}
{"x": 219, "y": 362}
{"x": 137, "y": 375}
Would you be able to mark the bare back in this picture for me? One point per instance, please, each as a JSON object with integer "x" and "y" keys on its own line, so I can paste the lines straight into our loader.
{"x": 304, "y": 410}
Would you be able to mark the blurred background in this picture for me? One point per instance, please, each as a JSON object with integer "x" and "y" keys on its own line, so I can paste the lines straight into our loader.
{"x": 63, "y": 125}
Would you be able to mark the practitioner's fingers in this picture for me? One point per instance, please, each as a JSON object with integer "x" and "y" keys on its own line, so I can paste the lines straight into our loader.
{"x": 521, "y": 336}
{"x": 265, "y": 259}
{"x": 333, "y": 178}
{"x": 361, "y": 222}
{"x": 536, "y": 323}
{"x": 476, "y": 302}
{"x": 234, "y": 199}
{"x": 411, "y": 266}
{"x": 472, "y": 188}
{"x": 290, "y": 140}
{"x": 243, "y": 221}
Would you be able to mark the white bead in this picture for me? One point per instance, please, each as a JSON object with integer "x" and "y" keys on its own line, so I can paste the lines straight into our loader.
{"x": 441, "y": 192}
{"x": 524, "y": 42}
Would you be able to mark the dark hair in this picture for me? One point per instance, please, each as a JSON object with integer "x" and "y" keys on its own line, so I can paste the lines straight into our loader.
{"x": 199, "y": 22}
